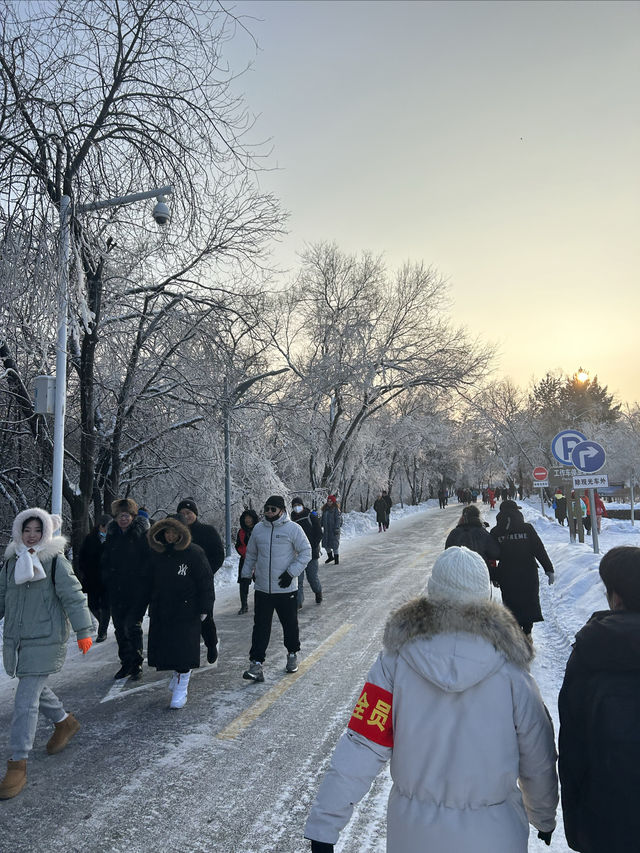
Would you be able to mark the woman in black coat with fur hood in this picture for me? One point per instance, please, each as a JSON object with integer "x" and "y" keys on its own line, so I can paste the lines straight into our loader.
{"x": 517, "y": 573}
{"x": 180, "y": 593}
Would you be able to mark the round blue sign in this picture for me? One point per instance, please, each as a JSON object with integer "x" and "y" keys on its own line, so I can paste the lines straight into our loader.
{"x": 588, "y": 456}
{"x": 564, "y": 442}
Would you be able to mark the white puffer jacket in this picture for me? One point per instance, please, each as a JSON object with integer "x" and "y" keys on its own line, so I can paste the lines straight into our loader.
{"x": 276, "y": 547}
{"x": 468, "y": 727}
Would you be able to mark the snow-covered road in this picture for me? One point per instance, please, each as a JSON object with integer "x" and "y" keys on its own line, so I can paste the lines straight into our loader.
{"x": 237, "y": 769}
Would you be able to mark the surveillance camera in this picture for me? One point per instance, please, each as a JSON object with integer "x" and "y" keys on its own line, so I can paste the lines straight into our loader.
{"x": 161, "y": 213}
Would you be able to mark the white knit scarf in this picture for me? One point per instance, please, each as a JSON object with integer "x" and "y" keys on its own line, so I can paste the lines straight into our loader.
{"x": 28, "y": 566}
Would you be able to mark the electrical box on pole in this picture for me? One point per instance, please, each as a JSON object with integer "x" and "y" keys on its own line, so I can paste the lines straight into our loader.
{"x": 44, "y": 397}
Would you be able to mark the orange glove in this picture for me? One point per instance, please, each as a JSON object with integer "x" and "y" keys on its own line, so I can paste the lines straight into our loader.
{"x": 85, "y": 645}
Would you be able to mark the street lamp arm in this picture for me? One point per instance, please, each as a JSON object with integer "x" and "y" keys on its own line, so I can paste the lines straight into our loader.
{"x": 124, "y": 199}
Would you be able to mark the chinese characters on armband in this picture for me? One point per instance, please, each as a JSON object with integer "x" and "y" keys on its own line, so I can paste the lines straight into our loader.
{"x": 372, "y": 715}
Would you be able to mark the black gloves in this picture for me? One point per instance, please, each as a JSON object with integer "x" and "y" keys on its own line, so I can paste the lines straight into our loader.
{"x": 285, "y": 579}
{"x": 321, "y": 847}
{"x": 546, "y": 837}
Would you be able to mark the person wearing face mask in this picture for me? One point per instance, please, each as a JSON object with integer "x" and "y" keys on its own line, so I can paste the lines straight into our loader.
{"x": 310, "y": 523}
{"x": 179, "y": 591}
{"x": 91, "y": 577}
{"x": 248, "y": 521}
{"x": 39, "y": 596}
{"x": 277, "y": 554}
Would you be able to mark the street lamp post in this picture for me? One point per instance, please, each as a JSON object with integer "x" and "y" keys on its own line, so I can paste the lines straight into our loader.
{"x": 162, "y": 216}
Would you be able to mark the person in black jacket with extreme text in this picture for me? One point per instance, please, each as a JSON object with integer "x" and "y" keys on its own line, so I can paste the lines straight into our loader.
{"x": 599, "y": 704}
{"x": 124, "y": 556}
{"x": 517, "y": 572}
{"x": 208, "y": 538}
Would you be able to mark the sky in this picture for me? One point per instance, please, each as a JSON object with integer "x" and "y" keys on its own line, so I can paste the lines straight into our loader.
{"x": 496, "y": 141}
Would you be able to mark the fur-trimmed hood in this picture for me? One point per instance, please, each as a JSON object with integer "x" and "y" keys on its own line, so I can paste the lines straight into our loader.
{"x": 49, "y": 545}
{"x": 157, "y": 540}
{"x": 440, "y": 640}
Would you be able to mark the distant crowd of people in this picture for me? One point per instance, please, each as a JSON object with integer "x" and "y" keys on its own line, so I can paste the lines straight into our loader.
{"x": 449, "y": 701}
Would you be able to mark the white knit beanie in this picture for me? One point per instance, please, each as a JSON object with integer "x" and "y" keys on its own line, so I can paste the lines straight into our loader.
{"x": 459, "y": 575}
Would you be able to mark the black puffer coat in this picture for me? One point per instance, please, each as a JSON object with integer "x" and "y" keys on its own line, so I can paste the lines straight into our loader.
{"x": 517, "y": 572}
{"x": 123, "y": 563}
{"x": 179, "y": 588}
{"x": 476, "y": 537}
{"x": 208, "y": 538}
{"x": 599, "y": 747}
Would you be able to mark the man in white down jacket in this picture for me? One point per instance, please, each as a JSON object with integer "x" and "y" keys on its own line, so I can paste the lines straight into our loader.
{"x": 277, "y": 553}
{"x": 451, "y": 703}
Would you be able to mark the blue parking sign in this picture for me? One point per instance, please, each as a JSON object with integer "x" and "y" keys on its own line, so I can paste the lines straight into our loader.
{"x": 563, "y": 444}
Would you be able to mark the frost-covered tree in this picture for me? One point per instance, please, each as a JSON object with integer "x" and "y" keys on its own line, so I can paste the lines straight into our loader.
{"x": 357, "y": 339}
{"x": 99, "y": 100}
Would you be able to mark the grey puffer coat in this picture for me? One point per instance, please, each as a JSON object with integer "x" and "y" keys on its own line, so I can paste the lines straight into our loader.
{"x": 276, "y": 547}
{"x": 37, "y": 613}
{"x": 451, "y": 704}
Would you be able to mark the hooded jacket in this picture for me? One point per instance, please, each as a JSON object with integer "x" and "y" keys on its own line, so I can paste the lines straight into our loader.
{"x": 599, "y": 744}
{"x": 517, "y": 572}
{"x": 37, "y": 613}
{"x": 476, "y": 537}
{"x": 179, "y": 588}
{"x": 276, "y": 547}
{"x": 124, "y": 556}
{"x": 451, "y": 704}
{"x": 331, "y": 521}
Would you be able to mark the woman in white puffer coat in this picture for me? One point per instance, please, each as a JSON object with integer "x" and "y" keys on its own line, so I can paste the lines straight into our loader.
{"x": 451, "y": 704}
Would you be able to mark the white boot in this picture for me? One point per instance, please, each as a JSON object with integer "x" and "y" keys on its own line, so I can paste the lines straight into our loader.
{"x": 179, "y": 697}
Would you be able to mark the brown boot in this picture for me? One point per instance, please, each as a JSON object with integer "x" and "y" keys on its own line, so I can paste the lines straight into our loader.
{"x": 15, "y": 780}
{"x": 63, "y": 734}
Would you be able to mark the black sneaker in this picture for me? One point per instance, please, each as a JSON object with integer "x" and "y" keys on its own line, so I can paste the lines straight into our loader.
{"x": 123, "y": 672}
{"x": 318, "y": 598}
{"x": 243, "y": 609}
{"x": 136, "y": 674}
{"x": 101, "y": 638}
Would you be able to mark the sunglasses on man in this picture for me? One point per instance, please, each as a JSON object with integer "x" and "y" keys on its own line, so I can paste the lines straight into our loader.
{"x": 269, "y": 508}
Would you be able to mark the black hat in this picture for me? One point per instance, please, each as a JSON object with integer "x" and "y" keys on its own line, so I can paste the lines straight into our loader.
{"x": 275, "y": 500}
{"x": 188, "y": 503}
{"x": 297, "y": 500}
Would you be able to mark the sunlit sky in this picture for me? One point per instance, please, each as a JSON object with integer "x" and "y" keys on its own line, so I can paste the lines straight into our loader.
{"x": 497, "y": 141}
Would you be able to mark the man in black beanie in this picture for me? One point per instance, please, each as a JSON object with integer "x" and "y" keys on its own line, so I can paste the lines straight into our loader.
{"x": 208, "y": 538}
{"x": 277, "y": 553}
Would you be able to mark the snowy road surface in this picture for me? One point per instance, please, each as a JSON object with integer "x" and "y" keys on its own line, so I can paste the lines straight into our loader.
{"x": 237, "y": 768}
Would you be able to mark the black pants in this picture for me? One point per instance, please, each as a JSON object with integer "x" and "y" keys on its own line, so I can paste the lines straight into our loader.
{"x": 128, "y": 636}
{"x": 244, "y": 583}
{"x": 208, "y": 631}
{"x": 285, "y": 605}
{"x": 101, "y": 611}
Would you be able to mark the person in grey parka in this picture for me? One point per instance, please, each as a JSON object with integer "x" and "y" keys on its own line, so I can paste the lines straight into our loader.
{"x": 450, "y": 702}
{"x": 331, "y": 521}
{"x": 39, "y": 596}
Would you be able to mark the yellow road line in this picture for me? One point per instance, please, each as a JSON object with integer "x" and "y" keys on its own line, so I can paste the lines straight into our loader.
{"x": 247, "y": 717}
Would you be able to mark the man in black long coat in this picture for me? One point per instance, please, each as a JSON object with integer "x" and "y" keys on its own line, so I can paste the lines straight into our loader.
{"x": 123, "y": 562}
{"x": 599, "y": 704}
{"x": 208, "y": 538}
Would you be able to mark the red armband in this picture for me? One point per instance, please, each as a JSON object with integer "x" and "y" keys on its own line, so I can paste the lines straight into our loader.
{"x": 372, "y": 715}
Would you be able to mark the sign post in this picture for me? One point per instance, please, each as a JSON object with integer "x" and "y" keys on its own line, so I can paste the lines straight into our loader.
{"x": 540, "y": 480}
{"x": 562, "y": 445}
{"x": 589, "y": 457}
